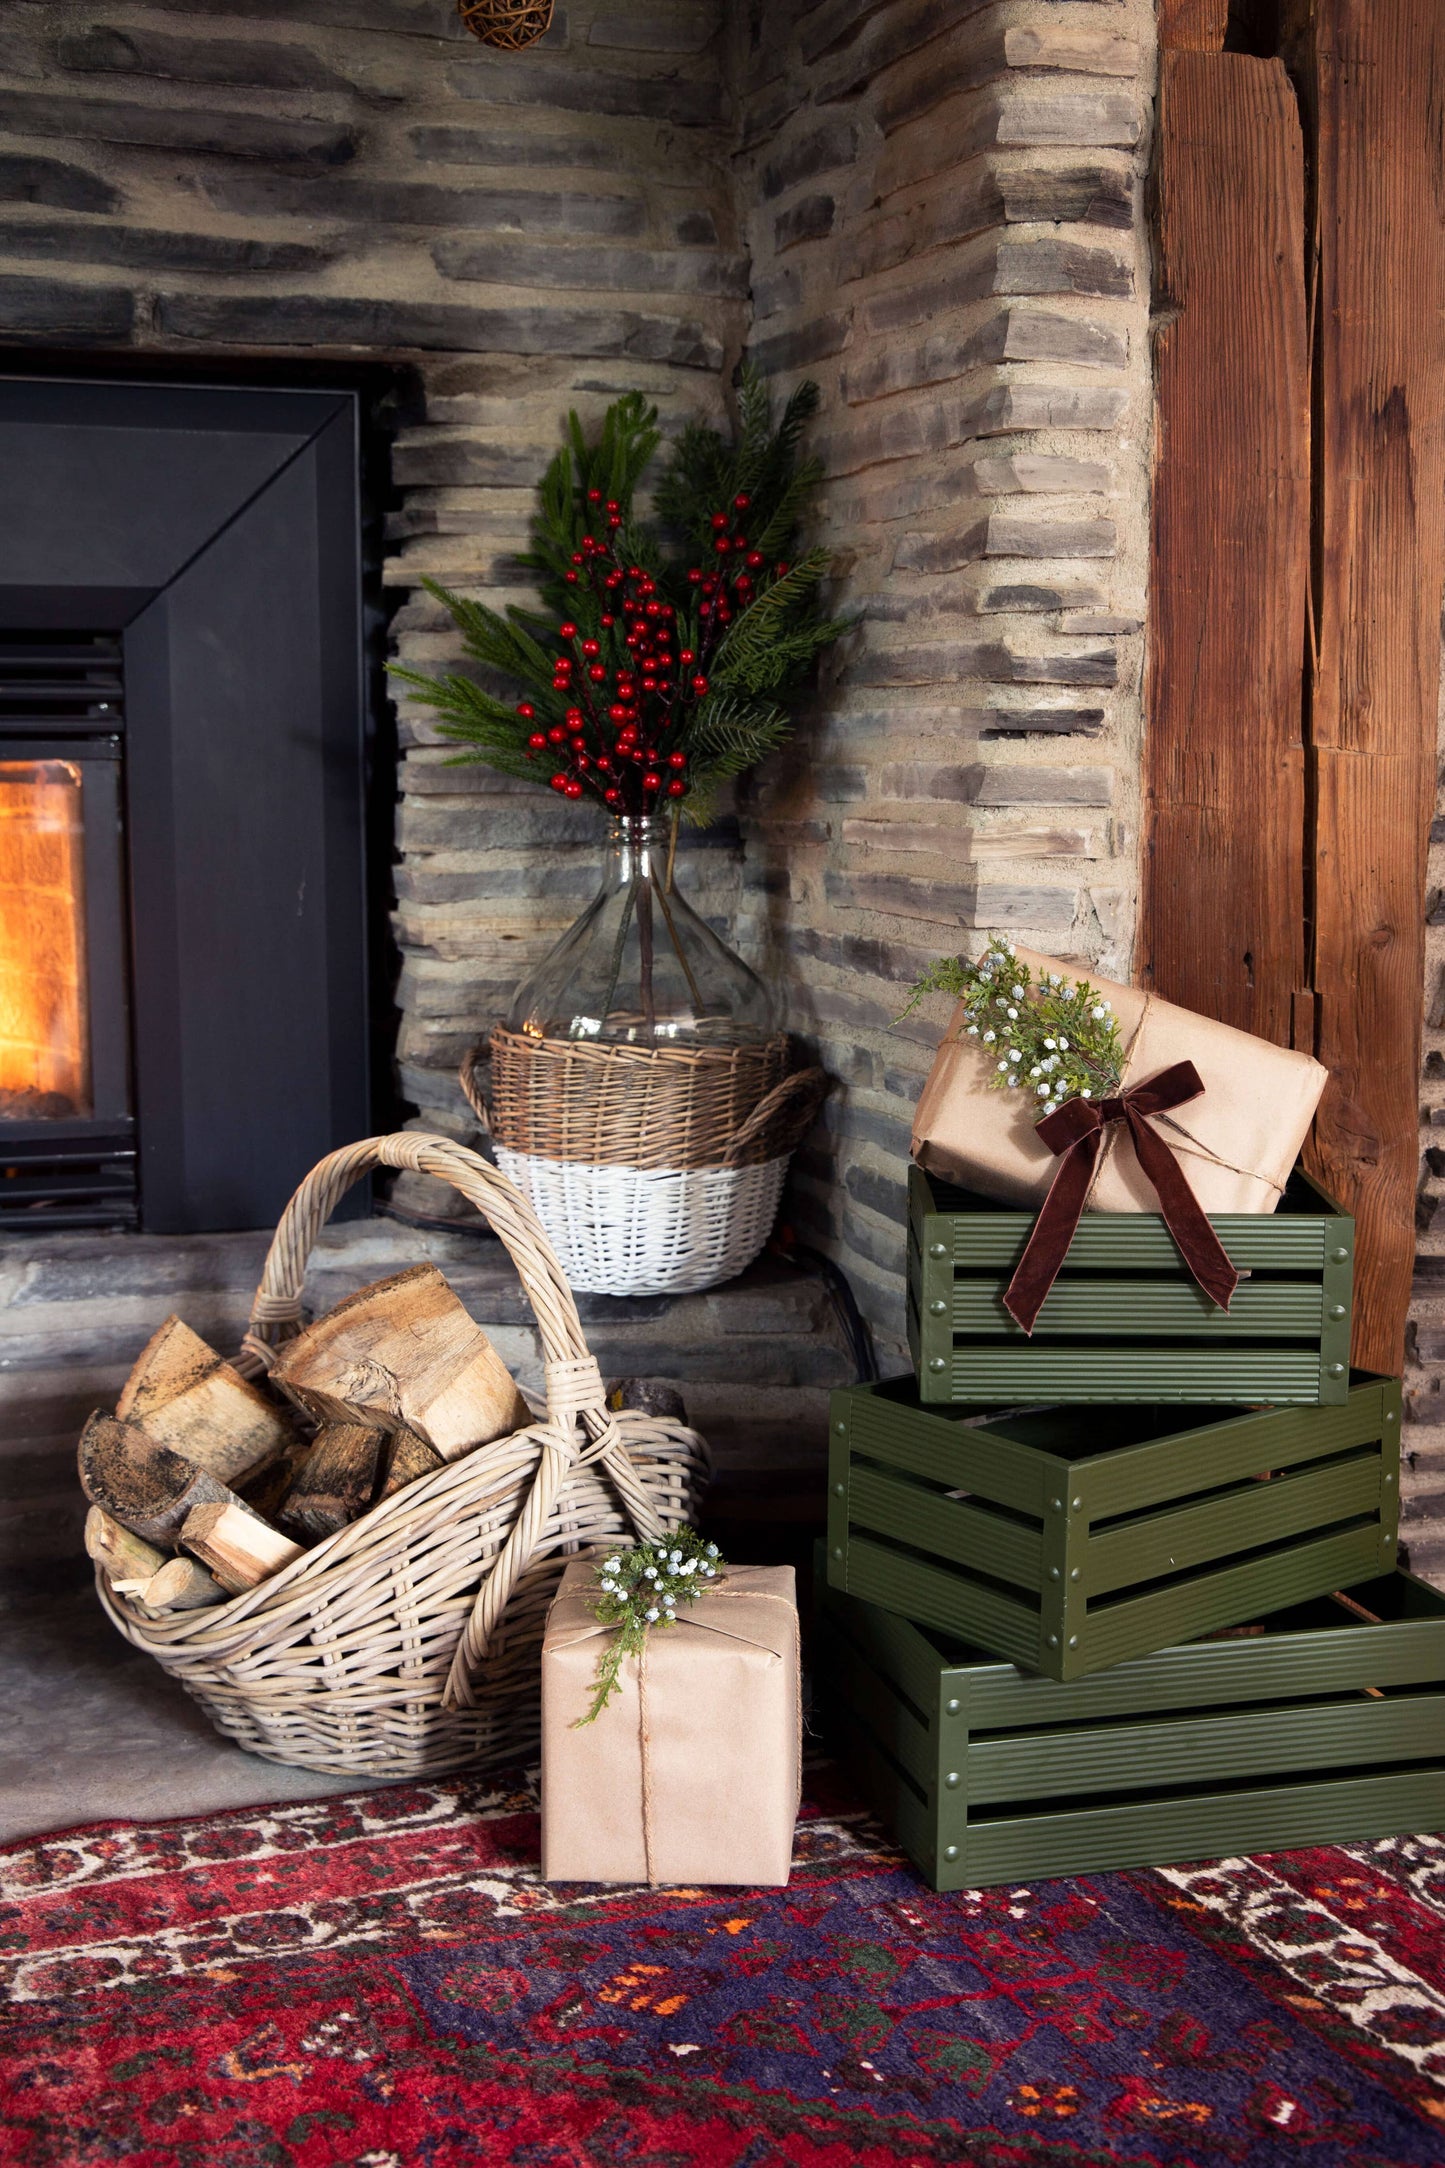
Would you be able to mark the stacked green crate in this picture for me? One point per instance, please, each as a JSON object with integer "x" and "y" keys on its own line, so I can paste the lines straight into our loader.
{"x": 1169, "y": 1472}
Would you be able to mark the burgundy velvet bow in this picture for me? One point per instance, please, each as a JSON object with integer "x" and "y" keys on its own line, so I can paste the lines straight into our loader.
{"x": 1076, "y": 1130}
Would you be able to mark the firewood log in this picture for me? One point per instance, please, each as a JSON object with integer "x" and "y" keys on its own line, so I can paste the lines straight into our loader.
{"x": 265, "y": 1490}
{"x": 129, "y": 1562}
{"x": 238, "y": 1546}
{"x": 408, "y": 1457}
{"x": 404, "y": 1354}
{"x": 140, "y": 1483}
{"x": 182, "y": 1584}
{"x": 336, "y": 1482}
{"x": 184, "y": 1395}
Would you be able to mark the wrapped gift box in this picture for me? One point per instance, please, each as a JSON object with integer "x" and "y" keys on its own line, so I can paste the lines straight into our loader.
{"x": 1068, "y": 1540}
{"x": 1124, "y": 1321}
{"x": 1324, "y": 1724}
{"x": 1236, "y": 1142}
{"x": 691, "y": 1773}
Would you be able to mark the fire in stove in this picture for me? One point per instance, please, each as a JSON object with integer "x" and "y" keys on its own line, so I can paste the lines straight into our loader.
{"x": 44, "y": 1051}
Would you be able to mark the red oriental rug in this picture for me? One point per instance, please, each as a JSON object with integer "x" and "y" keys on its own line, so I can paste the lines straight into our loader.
{"x": 380, "y": 1981}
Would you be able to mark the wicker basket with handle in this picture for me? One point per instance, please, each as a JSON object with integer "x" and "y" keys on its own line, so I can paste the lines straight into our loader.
{"x": 409, "y": 1642}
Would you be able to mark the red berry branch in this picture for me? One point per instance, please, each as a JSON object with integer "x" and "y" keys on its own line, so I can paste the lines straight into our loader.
{"x": 657, "y": 671}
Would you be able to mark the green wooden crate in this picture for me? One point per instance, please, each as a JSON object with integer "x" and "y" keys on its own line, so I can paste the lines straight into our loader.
{"x": 1068, "y": 1539}
{"x": 1320, "y": 1729}
{"x": 1124, "y": 1320}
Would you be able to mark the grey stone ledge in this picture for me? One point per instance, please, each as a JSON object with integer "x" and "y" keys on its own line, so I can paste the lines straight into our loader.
{"x": 373, "y": 202}
{"x": 228, "y": 134}
{"x": 522, "y": 264}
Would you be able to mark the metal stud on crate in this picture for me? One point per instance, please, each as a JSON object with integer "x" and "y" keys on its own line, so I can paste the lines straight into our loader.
{"x": 511, "y": 25}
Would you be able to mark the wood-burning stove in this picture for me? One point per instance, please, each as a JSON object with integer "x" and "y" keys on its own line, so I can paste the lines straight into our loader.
{"x": 183, "y": 1019}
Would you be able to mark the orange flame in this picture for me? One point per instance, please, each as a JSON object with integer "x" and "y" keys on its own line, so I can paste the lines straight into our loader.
{"x": 44, "y": 1056}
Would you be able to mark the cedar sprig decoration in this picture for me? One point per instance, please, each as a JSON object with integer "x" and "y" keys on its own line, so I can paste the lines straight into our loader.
{"x": 1056, "y": 1038}
{"x": 642, "y": 1588}
{"x": 666, "y": 649}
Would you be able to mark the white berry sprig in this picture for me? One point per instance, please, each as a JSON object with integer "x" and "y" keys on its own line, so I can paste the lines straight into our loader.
{"x": 1056, "y": 1038}
{"x": 642, "y": 1588}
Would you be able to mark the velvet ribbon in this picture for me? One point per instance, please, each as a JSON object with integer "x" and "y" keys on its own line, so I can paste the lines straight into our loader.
{"x": 1075, "y": 1131}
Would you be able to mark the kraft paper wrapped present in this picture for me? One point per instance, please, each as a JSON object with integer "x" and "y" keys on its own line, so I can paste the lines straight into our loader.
{"x": 691, "y": 1774}
{"x": 1236, "y": 1143}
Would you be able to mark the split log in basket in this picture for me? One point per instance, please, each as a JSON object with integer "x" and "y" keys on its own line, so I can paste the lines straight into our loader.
{"x": 138, "y": 1569}
{"x": 240, "y": 1548}
{"x": 184, "y": 1395}
{"x": 336, "y": 1483}
{"x": 404, "y": 1354}
{"x": 144, "y": 1485}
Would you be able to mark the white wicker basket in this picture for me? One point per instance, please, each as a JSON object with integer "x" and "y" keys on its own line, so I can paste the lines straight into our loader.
{"x": 649, "y": 1230}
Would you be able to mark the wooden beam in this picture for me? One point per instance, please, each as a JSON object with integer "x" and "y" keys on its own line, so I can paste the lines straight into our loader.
{"x": 1223, "y": 907}
{"x": 1375, "y": 77}
{"x": 1192, "y": 26}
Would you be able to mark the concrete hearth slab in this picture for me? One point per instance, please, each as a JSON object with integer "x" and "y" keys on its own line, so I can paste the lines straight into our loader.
{"x": 95, "y": 1731}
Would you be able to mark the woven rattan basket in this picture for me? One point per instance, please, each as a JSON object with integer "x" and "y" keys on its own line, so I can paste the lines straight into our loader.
{"x": 410, "y": 1642}
{"x": 654, "y": 1170}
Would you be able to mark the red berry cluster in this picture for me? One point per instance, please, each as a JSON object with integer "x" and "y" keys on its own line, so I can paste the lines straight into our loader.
{"x": 631, "y": 685}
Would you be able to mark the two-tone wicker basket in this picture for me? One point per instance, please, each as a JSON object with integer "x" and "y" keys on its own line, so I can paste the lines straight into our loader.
{"x": 410, "y": 1642}
{"x": 654, "y": 1169}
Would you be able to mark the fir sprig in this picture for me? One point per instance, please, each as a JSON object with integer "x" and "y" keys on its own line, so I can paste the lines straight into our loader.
{"x": 642, "y": 1588}
{"x": 668, "y": 647}
{"x": 1056, "y": 1038}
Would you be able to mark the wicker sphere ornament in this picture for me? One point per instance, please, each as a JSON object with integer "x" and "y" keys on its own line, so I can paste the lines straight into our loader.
{"x": 511, "y": 25}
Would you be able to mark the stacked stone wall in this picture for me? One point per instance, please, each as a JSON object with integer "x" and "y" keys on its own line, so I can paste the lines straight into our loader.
{"x": 943, "y": 209}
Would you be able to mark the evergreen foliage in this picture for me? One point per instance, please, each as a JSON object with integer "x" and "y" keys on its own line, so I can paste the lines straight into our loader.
{"x": 666, "y": 649}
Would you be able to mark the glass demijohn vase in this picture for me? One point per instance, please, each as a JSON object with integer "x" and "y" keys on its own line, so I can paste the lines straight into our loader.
{"x": 639, "y": 967}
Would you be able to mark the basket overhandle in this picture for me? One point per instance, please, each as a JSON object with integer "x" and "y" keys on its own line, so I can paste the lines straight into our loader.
{"x": 803, "y": 1090}
{"x": 576, "y": 1401}
{"x": 475, "y": 1058}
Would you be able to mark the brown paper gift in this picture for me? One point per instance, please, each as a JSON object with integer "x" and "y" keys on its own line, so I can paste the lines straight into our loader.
{"x": 691, "y": 1773}
{"x": 1236, "y": 1143}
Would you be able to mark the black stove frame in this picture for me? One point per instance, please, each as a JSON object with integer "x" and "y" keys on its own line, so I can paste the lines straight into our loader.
{"x": 189, "y": 559}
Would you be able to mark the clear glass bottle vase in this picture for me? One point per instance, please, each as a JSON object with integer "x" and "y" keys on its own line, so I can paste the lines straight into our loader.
{"x": 640, "y": 967}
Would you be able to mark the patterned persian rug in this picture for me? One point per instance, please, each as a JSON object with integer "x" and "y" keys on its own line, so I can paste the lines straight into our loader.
{"x": 380, "y": 1981}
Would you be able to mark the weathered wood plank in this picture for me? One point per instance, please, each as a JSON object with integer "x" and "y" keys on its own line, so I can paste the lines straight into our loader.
{"x": 1223, "y": 908}
{"x": 1375, "y": 75}
{"x": 1192, "y": 26}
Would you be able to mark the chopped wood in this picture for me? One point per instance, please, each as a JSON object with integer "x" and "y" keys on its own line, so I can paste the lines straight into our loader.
{"x": 265, "y": 1489}
{"x": 182, "y": 1584}
{"x": 336, "y": 1482}
{"x": 186, "y": 1396}
{"x": 238, "y": 1546}
{"x": 404, "y": 1354}
{"x": 128, "y": 1560}
{"x": 141, "y": 1483}
{"x": 407, "y": 1458}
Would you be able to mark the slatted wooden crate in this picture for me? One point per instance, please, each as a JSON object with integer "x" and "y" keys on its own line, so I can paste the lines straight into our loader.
{"x": 1069, "y": 1539}
{"x": 1124, "y": 1321}
{"x": 1318, "y": 1728}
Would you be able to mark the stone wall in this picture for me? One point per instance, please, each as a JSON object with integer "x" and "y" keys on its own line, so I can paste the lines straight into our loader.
{"x": 945, "y": 219}
{"x": 516, "y": 232}
{"x": 1422, "y": 1487}
{"x": 942, "y": 220}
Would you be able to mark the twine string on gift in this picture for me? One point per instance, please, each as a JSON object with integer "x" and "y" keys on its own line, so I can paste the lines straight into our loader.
{"x": 1076, "y": 1132}
{"x": 644, "y": 1734}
